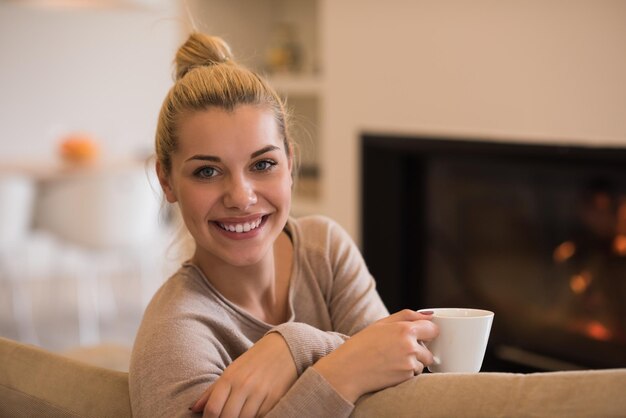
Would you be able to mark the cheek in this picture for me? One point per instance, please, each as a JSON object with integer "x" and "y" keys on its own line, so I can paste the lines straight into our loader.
{"x": 286, "y": 183}
{"x": 196, "y": 200}
{"x": 284, "y": 192}
{"x": 278, "y": 193}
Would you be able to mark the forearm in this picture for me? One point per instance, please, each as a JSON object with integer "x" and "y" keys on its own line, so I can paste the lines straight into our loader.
{"x": 307, "y": 343}
{"x": 312, "y": 396}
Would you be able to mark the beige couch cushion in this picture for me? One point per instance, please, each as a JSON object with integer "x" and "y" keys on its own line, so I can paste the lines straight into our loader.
{"x": 557, "y": 394}
{"x": 36, "y": 383}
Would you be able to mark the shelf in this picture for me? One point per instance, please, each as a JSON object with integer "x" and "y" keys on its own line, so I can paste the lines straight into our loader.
{"x": 54, "y": 169}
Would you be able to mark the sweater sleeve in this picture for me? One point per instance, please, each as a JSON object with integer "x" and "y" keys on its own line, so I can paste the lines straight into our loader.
{"x": 311, "y": 397}
{"x": 308, "y": 344}
{"x": 171, "y": 366}
{"x": 349, "y": 289}
{"x": 169, "y": 376}
{"x": 353, "y": 301}
{"x": 184, "y": 345}
{"x": 177, "y": 356}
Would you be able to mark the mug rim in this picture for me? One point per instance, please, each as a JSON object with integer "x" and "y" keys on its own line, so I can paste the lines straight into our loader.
{"x": 454, "y": 313}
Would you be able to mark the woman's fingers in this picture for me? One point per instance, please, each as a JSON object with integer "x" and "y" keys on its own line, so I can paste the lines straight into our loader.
{"x": 424, "y": 330}
{"x": 199, "y": 404}
{"x": 258, "y": 378}
{"x": 217, "y": 400}
{"x": 423, "y": 355}
{"x": 418, "y": 369}
{"x": 234, "y": 403}
{"x": 253, "y": 407}
{"x": 407, "y": 315}
{"x": 224, "y": 401}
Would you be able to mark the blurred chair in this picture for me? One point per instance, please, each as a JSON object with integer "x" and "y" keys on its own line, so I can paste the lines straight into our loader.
{"x": 17, "y": 197}
{"x": 110, "y": 220}
{"x": 101, "y": 209}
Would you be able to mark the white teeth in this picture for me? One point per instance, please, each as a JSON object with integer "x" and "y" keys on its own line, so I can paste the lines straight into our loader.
{"x": 245, "y": 227}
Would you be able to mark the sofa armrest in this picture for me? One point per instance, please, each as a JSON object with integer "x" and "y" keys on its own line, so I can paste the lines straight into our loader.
{"x": 35, "y": 382}
{"x": 597, "y": 393}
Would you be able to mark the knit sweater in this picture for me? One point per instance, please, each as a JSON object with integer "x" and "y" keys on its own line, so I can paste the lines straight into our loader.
{"x": 190, "y": 333}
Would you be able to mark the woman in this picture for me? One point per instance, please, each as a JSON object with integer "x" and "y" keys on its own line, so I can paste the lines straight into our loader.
{"x": 271, "y": 316}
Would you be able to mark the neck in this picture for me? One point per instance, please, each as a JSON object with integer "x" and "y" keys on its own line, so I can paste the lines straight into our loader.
{"x": 260, "y": 289}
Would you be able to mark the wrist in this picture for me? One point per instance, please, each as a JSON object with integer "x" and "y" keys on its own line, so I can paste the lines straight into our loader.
{"x": 335, "y": 374}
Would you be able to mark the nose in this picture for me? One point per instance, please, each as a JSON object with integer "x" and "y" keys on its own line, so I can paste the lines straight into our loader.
{"x": 240, "y": 193}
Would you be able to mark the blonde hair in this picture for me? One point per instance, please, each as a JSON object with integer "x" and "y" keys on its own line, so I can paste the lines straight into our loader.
{"x": 207, "y": 76}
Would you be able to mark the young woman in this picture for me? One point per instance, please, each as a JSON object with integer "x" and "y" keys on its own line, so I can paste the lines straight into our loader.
{"x": 271, "y": 316}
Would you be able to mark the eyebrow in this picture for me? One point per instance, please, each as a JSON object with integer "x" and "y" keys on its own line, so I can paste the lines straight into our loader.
{"x": 218, "y": 159}
{"x": 264, "y": 150}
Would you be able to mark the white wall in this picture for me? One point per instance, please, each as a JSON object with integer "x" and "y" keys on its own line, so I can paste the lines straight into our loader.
{"x": 549, "y": 70}
{"x": 104, "y": 72}
{"x": 534, "y": 70}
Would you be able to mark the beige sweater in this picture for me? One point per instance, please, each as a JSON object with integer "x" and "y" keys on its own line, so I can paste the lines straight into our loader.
{"x": 190, "y": 333}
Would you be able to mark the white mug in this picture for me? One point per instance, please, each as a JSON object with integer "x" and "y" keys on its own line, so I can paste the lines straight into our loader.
{"x": 462, "y": 341}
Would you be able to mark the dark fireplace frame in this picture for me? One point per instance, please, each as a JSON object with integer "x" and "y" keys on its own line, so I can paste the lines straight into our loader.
{"x": 393, "y": 230}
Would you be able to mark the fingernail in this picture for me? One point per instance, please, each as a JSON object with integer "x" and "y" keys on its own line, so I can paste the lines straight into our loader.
{"x": 426, "y": 312}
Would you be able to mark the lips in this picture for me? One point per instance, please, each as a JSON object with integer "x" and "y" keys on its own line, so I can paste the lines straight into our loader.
{"x": 243, "y": 226}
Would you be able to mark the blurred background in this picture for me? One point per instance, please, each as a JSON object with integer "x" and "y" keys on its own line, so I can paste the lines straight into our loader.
{"x": 83, "y": 236}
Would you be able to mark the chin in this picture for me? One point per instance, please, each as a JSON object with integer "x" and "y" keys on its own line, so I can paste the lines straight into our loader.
{"x": 240, "y": 256}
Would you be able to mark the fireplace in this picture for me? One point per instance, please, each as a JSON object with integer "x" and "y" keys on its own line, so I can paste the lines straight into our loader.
{"x": 536, "y": 233}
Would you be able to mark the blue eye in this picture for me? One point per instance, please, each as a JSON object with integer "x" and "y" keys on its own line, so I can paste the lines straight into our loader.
{"x": 264, "y": 165}
{"x": 205, "y": 172}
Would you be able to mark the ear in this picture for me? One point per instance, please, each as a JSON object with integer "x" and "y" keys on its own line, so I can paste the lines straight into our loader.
{"x": 164, "y": 180}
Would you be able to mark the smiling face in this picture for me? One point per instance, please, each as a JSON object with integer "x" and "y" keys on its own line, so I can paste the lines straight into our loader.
{"x": 231, "y": 176}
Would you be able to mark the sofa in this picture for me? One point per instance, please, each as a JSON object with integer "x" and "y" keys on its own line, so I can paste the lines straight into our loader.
{"x": 38, "y": 383}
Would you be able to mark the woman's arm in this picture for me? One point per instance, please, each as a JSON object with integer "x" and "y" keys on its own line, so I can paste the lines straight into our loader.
{"x": 176, "y": 361}
{"x": 308, "y": 344}
{"x": 333, "y": 263}
{"x": 384, "y": 354}
{"x": 353, "y": 304}
{"x": 353, "y": 301}
{"x": 172, "y": 363}
{"x": 253, "y": 383}
{"x": 261, "y": 383}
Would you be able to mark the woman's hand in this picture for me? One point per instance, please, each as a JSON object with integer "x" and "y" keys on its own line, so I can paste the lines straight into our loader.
{"x": 253, "y": 383}
{"x": 384, "y": 354}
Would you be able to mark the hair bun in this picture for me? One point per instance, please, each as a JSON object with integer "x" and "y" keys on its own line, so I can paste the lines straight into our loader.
{"x": 200, "y": 50}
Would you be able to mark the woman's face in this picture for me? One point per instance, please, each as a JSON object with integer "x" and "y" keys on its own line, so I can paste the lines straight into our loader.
{"x": 231, "y": 177}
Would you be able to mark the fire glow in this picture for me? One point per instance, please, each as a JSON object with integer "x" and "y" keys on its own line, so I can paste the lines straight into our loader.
{"x": 619, "y": 245}
{"x": 564, "y": 251}
{"x": 593, "y": 329}
{"x": 598, "y": 331}
{"x": 579, "y": 283}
